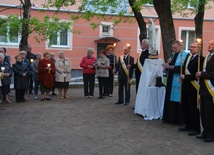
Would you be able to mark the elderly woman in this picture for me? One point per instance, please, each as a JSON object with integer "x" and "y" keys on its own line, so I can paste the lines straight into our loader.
{"x": 46, "y": 73}
{"x": 88, "y": 64}
{"x": 35, "y": 74}
{"x": 21, "y": 77}
{"x": 102, "y": 73}
{"x": 63, "y": 74}
{"x": 113, "y": 60}
{"x": 1, "y": 58}
{"x": 6, "y": 81}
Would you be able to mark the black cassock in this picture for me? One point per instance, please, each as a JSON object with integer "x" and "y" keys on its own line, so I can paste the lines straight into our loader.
{"x": 172, "y": 110}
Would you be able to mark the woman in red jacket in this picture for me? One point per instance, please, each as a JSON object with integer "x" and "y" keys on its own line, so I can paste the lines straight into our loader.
{"x": 46, "y": 73}
{"x": 88, "y": 64}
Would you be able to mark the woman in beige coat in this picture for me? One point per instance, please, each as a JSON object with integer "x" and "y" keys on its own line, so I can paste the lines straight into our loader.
{"x": 102, "y": 73}
{"x": 63, "y": 74}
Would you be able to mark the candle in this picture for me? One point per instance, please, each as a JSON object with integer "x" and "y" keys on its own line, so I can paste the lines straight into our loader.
{"x": 198, "y": 41}
{"x": 129, "y": 46}
{"x": 2, "y": 69}
{"x": 31, "y": 60}
{"x": 181, "y": 41}
{"x": 49, "y": 65}
{"x": 114, "y": 44}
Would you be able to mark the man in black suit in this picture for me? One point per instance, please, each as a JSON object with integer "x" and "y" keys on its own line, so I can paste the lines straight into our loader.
{"x": 207, "y": 95}
{"x": 140, "y": 61}
{"x": 124, "y": 75}
{"x": 189, "y": 92}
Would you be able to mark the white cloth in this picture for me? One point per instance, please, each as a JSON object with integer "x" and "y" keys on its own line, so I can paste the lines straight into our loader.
{"x": 150, "y": 99}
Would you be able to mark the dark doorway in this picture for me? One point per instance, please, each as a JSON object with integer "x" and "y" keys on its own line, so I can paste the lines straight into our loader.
{"x": 101, "y": 46}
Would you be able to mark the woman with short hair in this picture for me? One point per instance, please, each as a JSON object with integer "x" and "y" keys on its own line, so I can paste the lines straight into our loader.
{"x": 102, "y": 73}
{"x": 6, "y": 81}
{"x": 88, "y": 64}
{"x": 46, "y": 73}
{"x": 21, "y": 76}
{"x": 63, "y": 74}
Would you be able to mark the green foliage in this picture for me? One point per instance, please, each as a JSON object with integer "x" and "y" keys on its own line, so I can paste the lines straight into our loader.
{"x": 180, "y": 6}
{"x": 45, "y": 29}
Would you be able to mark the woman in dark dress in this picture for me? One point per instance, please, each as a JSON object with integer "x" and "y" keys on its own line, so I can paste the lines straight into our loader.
{"x": 21, "y": 77}
{"x": 6, "y": 81}
{"x": 46, "y": 73}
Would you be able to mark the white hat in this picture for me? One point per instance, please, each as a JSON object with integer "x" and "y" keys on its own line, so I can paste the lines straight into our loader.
{"x": 22, "y": 52}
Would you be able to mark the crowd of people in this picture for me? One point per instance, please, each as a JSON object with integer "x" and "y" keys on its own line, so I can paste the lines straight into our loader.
{"x": 34, "y": 73}
{"x": 192, "y": 98}
{"x": 189, "y": 76}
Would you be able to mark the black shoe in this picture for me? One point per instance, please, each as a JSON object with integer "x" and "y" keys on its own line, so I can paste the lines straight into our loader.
{"x": 193, "y": 133}
{"x": 201, "y": 136}
{"x": 48, "y": 99}
{"x": 127, "y": 103}
{"x": 209, "y": 139}
{"x": 53, "y": 94}
{"x": 30, "y": 92}
{"x": 119, "y": 103}
{"x": 183, "y": 128}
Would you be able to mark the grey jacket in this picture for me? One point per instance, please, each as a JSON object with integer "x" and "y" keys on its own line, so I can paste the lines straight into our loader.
{"x": 102, "y": 67}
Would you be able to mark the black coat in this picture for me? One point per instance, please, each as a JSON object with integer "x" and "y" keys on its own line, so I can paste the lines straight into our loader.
{"x": 193, "y": 68}
{"x": 6, "y": 80}
{"x": 121, "y": 73}
{"x": 20, "y": 81}
{"x": 113, "y": 64}
{"x": 208, "y": 74}
{"x": 144, "y": 55}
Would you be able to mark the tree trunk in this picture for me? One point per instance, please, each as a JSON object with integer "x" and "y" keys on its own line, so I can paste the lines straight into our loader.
{"x": 163, "y": 9}
{"x": 140, "y": 21}
{"x": 199, "y": 19}
{"x": 25, "y": 24}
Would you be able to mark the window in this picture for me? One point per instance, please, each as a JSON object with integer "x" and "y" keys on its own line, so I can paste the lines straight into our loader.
{"x": 104, "y": 7}
{"x": 190, "y": 3}
{"x": 60, "y": 39}
{"x": 106, "y": 29}
{"x": 8, "y": 35}
{"x": 188, "y": 37}
{"x": 148, "y": 3}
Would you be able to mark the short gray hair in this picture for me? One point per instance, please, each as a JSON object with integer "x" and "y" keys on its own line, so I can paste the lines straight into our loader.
{"x": 146, "y": 41}
{"x": 1, "y": 55}
{"x": 60, "y": 52}
{"x": 90, "y": 50}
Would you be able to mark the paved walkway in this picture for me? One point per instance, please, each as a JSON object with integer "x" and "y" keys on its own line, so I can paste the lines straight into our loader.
{"x": 89, "y": 126}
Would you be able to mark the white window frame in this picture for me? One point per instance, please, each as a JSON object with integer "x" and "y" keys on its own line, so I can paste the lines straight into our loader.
{"x": 8, "y": 43}
{"x": 189, "y": 5}
{"x": 158, "y": 35}
{"x": 69, "y": 45}
{"x": 185, "y": 29}
{"x": 108, "y": 34}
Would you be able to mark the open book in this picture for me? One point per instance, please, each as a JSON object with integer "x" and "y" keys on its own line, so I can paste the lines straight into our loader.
{"x": 166, "y": 65}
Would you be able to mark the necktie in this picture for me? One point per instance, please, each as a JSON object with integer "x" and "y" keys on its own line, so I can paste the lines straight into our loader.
{"x": 209, "y": 56}
{"x": 124, "y": 58}
{"x": 192, "y": 57}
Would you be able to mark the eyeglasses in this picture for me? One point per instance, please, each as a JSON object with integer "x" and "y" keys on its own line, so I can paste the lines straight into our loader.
{"x": 193, "y": 47}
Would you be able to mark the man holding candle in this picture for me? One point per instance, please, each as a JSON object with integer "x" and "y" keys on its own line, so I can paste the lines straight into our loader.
{"x": 189, "y": 91}
{"x": 31, "y": 57}
{"x": 46, "y": 73}
{"x": 206, "y": 90}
